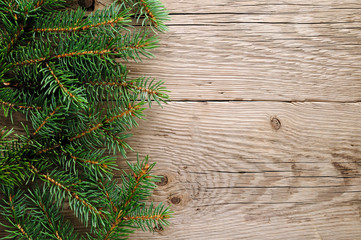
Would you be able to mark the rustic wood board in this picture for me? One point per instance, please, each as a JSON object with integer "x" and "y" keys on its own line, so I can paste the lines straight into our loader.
{"x": 259, "y": 50}
{"x": 256, "y": 170}
{"x": 264, "y": 165}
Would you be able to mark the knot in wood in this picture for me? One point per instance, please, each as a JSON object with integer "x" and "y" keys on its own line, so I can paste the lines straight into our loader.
{"x": 163, "y": 181}
{"x": 275, "y": 123}
{"x": 158, "y": 228}
{"x": 175, "y": 200}
{"x": 86, "y": 3}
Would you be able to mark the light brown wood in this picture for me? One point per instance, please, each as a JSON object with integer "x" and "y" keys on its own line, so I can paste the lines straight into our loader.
{"x": 252, "y": 50}
{"x": 258, "y": 170}
{"x": 234, "y": 174}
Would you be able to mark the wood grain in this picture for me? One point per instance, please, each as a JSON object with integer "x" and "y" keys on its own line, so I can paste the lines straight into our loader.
{"x": 232, "y": 175}
{"x": 260, "y": 50}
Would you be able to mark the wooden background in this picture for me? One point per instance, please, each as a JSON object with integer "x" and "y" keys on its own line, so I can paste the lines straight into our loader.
{"x": 262, "y": 138}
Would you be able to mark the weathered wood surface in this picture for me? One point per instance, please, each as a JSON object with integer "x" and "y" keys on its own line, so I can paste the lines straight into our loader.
{"x": 261, "y": 50}
{"x": 262, "y": 139}
{"x": 256, "y": 170}
{"x": 282, "y": 160}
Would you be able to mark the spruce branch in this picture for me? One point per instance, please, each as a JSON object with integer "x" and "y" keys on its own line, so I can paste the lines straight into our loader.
{"x": 77, "y": 202}
{"x": 147, "y": 218}
{"x": 45, "y": 213}
{"x": 127, "y": 46}
{"x": 44, "y": 122}
{"x": 153, "y": 11}
{"x": 49, "y": 216}
{"x": 123, "y": 120}
{"x": 110, "y": 17}
{"x": 136, "y": 182}
{"x": 14, "y": 207}
{"x": 20, "y": 12}
{"x": 10, "y": 170}
{"x": 59, "y": 68}
{"x": 70, "y": 93}
{"x": 147, "y": 89}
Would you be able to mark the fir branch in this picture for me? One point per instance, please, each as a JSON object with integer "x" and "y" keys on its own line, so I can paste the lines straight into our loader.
{"x": 47, "y": 60}
{"x": 114, "y": 225}
{"x": 149, "y": 12}
{"x": 45, "y": 120}
{"x": 121, "y": 144}
{"x": 48, "y": 215}
{"x": 39, "y": 3}
{"x": 66, "y": 189}
{"x": 127, "y": 46}
{"x": 113, "y": 207}
{"x": 42, "y": 207}
{"x": 15, "y": 38}
{"x": 13, "y": 206}
{"x": 110, "y": 22}
{"x": 21, "y": 229}
{"x": 30, "y": 61}
{"x": 129, "y": 84}
{"x": 101, "y": 21}
{"x": 144, "y": 170}
{"x": 64, "y": 55}
{"x": 59, "y": 83}
{"x": 147, "y": 89}
{"x": 47, "y": 149}
{"x": 96, "y": 127}
{"x": 99, "y": 83}
{"x": 77, "y": 54}
{"x": 97, "y": 163}
{"x": 17, "y": 33}
{"x": 13, "y": 105}
{"x": 153, "y": 11}
{"x": 119, "y": 218}
{"x": 130, "y": 110}
{"x": 149, "y": 217}
{"x": 22, "y": 25}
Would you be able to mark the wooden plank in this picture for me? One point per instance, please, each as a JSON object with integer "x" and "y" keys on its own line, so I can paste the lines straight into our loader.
{"x": 253, "y": 7}
{"x": 256, "y": 170}
{"x": 261, "y": 6}
{"x": 276, "y": 62}
{"x": 247, "y": 50}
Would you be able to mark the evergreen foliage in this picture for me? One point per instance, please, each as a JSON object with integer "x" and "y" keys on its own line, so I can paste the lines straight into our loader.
{"x": 58, "y": 67}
